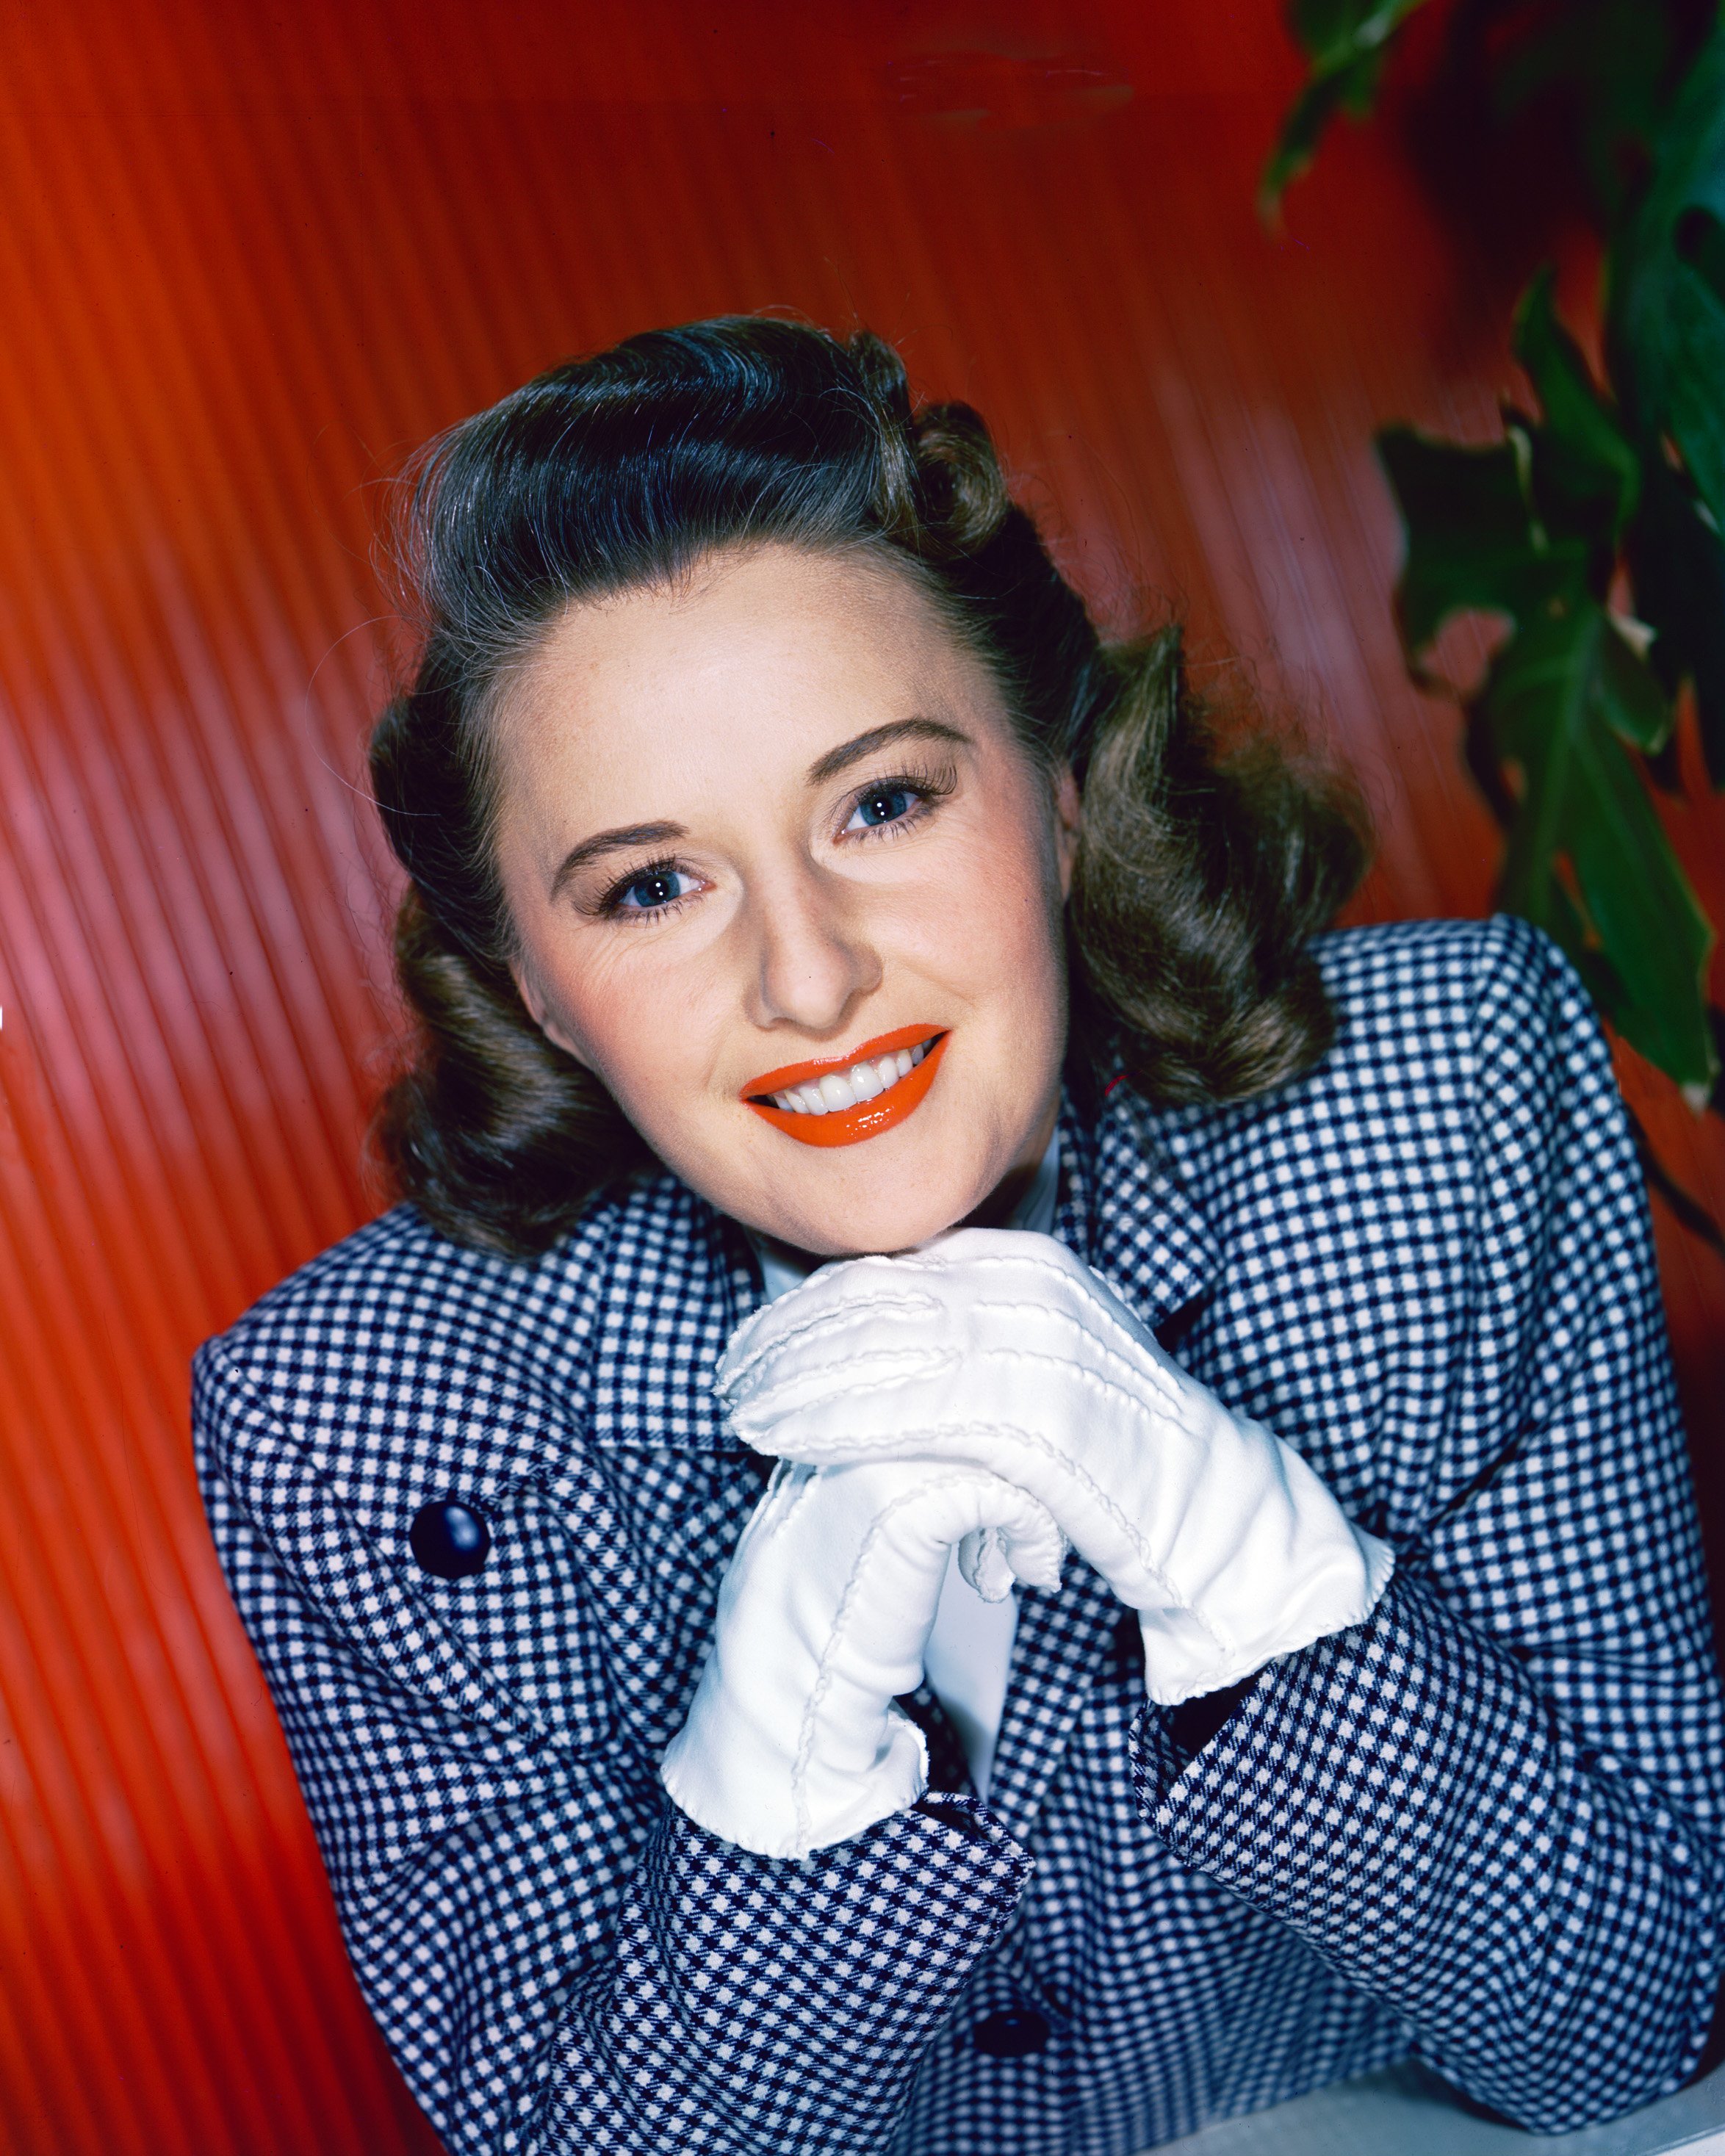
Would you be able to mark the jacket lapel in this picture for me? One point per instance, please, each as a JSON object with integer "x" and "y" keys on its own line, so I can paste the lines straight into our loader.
{"x": 678, "y": 1282}
{"x": 673, "y": 1281}
{"x": 1143, "y": 1231}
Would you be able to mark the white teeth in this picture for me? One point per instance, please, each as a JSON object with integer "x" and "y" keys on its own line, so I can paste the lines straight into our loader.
{"x": 846, "y": 1089}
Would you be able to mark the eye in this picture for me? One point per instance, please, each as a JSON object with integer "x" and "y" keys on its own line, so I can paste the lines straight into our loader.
{"x": 651, "y": 891}
{"x": 893, "y": 806}
{"x": 882, "y": 804}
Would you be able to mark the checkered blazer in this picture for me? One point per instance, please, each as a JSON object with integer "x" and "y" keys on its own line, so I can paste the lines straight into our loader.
{"x": 1483, "y": 1827}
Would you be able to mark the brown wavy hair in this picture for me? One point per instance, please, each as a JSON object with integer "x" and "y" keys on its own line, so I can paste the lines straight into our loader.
{"x": 1199, "y": 878}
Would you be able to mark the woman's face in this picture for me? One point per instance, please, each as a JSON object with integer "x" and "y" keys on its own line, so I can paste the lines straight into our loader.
{"x": 770, "y": 835}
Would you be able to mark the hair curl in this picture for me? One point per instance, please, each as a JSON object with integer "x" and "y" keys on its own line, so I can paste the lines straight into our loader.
{"x": 1198, "y": 880}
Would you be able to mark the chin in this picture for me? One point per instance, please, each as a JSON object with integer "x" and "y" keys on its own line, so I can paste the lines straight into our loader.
{"x": 849, "y": 1225}
{"x": 887, "y": 1194}
{"x": 866, "y": 1240}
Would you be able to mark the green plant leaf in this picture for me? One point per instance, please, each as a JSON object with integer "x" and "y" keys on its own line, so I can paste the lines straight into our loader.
{"x": 1302, "y": 131}
{"x": 1665, "y": 315}
{"x": 1334, "y": 34}
{"x": 1695, "y": 392}
{"x": 1590, "y": 472}
{"x": 1699, "y": 239}
{"x": 1532, "y": 527}
{"x": 1472, "y": 537}
{"x": 1345, "y": 40}
{"x": 1559, "y": 701}
{"x": 1677, "y": 561}
{"x": 1630, "y": 700}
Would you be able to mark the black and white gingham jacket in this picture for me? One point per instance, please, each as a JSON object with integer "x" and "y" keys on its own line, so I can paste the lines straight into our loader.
{"x": 1483, "y": 1827}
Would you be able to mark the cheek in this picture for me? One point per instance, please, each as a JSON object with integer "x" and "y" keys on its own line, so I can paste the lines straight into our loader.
{"x": 993, "y": 926}
{"x": 638, "y": 1019}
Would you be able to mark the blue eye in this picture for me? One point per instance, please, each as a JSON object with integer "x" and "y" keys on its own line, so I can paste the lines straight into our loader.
{"x": 883, "y": 804}
{"x": 651, "y": 889}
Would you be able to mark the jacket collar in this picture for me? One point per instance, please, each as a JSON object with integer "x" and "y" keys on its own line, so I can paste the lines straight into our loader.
{"x": 1124, "y": 1211}
{"x": 678, "y": 1277}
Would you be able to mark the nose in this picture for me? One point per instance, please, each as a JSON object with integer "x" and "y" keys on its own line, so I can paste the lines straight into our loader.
{"x": 813, "y": 960}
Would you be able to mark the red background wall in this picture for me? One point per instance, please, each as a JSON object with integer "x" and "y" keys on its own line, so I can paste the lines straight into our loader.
{"x": 248, "y": 257}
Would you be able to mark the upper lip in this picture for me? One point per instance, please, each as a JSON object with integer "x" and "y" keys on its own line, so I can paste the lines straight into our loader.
{"x": 800, "y": 1074}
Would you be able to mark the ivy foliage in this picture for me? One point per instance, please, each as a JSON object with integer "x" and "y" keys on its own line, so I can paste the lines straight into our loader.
{"x": 1593, "y": 528}
{"x": 1345, "y": 42}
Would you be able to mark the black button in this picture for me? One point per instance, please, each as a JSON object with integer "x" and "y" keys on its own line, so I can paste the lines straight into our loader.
{"x": 448, "y": 1539}
{"x": 1015, "y": 2033}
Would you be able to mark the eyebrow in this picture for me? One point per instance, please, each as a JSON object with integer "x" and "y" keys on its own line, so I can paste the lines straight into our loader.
{"x": 853, "y": 751}
{"x": 622, "y": 840}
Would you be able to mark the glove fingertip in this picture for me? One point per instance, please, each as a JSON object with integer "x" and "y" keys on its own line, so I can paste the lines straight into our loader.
{"x": 1041, "y": 1574}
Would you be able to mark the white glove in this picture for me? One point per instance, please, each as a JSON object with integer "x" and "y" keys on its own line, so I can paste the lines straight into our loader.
{"x": 792, "y": 1741}
{"x": 1006, "y": 1351}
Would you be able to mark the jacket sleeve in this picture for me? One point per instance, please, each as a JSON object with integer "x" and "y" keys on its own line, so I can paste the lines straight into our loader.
{"x": 559, "y": 1960}
{"x": 1494, "y": 1805}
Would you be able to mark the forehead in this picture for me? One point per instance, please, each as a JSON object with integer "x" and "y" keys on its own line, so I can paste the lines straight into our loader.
{"x": 753, "y": 660}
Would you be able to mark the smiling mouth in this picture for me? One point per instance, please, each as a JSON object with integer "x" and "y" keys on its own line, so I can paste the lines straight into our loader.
{"x": 841, "y": 1100}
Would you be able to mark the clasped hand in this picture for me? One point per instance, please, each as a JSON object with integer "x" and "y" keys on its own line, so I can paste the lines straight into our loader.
{"x": 1004, "y": 1356}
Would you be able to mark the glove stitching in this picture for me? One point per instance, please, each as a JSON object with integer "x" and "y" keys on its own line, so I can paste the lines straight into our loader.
{"x": 850, "y": 1313}
{"x": 1070, "y": 1275}
{"x": 954, "y": 1478}
{"x": 902, "y": 1440}
{"x": 811, "y": 1324}
{"x": 1170, "y": 1403}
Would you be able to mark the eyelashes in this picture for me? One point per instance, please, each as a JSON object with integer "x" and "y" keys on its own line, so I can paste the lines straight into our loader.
{"x": 924, "y": 791}
{"x": 650, "y": 877}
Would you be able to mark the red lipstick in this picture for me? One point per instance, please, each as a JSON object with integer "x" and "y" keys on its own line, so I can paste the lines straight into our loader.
{"x": 868, "y": 1119}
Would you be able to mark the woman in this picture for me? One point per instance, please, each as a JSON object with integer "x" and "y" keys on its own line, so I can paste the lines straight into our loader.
{"x": 793, "y": 876}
